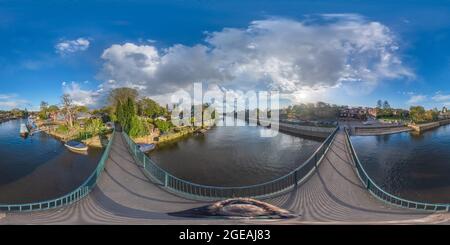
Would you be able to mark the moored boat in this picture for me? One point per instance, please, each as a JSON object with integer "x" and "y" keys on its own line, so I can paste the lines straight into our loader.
{"x": 146, "y": 147}
{"x": 76, "y": 146}
{"x": 23, "y": 130}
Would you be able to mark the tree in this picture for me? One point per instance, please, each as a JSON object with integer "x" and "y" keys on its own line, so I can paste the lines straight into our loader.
{"x": 121, "y": 95}
{"x": 125, "y": 113}
{"x": 44, "y": 105}
{"x": 137, "y": 127}
{"x": 82, "y": 108}
{"x": 68, "y": 109}
{"x": 17, "y": 112}
{"x": 379, "y": 104}
{"x": 119, "y": 113}
{"x": 417, "y": 114}
{"x": 43, "y": 113}
{"x": 386, "y": 105}
{"x": 53, "y": 108}
{"x": 149, "y": 108}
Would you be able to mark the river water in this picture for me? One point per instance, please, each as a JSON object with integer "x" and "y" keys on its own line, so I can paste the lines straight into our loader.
{"x": 39, "y": 167}
{"x": 233, "y": 156}
{"x": 410, "y": 165}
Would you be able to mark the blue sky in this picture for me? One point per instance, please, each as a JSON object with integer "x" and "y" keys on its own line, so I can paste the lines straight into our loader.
{"x": 51, "y": 47}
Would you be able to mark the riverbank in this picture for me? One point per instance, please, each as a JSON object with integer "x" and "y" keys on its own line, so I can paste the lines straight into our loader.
{"x": 97, "y": 141}
{"x": 427, "y": 126}
{"x": 380, "y": 130}
{"x": 173, "y": 135}
{"x": 39, "y": 167}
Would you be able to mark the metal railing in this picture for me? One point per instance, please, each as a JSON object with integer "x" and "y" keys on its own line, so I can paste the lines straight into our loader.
{"x": 197, "y": 191}
{"x": 77, "y": 194}
{"x": 382, "y": 195}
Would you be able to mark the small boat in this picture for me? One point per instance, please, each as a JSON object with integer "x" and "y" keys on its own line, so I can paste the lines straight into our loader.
{"x": 146, "y": 147}
{"x": 76, "y": 146}
{"x": 23, "y": 130}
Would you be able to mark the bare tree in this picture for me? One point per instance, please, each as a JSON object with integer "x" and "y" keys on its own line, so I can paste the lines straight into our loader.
{"x": 68, "y": 109}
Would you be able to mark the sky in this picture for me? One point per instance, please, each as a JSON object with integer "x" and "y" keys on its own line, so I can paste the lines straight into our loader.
{"x": 342, "y": 52}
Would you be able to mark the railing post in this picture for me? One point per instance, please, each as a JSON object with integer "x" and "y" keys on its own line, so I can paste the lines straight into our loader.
{"x": 144, "y": 161}
{"x": 295, "y": 178}
{"x": 166, "y": 180}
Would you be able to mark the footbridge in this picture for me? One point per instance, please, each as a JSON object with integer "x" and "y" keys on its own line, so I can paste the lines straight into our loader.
{"x": 128, "y": 188}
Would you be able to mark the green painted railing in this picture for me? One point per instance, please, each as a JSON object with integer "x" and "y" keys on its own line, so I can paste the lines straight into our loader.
{"x": 382, "y": 195}
{"x": 80, "y": 192}
{"x": 197, "y": 191}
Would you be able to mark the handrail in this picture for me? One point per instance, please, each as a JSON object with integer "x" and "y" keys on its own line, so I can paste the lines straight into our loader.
{"x": 384, "y": 196}
{"x": 77, "y": 194}
{"x": 266, "y": 189}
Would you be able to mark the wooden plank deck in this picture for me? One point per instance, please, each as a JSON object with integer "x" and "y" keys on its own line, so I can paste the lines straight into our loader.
{"x": 124, "y": 195}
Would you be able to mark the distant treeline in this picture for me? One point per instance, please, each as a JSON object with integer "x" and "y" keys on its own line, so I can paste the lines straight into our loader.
{"x": 313, "y": 111}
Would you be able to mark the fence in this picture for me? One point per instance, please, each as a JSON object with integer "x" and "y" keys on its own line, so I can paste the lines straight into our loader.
{"x": 80, "y": 192}
{"x": 379, "y": 193}
{"x": 193, "y": 190}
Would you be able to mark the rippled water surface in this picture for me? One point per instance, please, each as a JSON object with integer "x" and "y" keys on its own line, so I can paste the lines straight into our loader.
{"x": 412, "y": 166}
{"x": 234, "y": 156}
{"x": 39, "y": 167}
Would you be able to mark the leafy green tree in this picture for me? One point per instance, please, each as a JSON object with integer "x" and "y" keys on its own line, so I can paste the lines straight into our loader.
{"x": 43, "y": 113}
{"x": 417, "y": 114}
{"x": 379, "y": 104}
{"x": 149, "y": 108}
{"x": 52, "y": 109}
{"x": 83, "y": 109}
{"x": 125, "y": 113}
{"x": 121, "y": 95}
{"x": 137, "y": 127}
{"x": 386, "y": 105}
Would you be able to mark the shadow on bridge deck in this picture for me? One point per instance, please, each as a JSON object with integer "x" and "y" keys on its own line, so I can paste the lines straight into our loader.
{"x": 124, "y": 195}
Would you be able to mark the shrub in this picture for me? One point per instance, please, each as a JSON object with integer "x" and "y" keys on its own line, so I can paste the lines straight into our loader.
{"x": 162, "y": 125}
{"x": 94, "y": 126}
{"x": 63, "y": 129}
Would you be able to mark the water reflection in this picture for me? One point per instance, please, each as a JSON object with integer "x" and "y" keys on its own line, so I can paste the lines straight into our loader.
{"x": 413, "y": 166}
{"x": 233, "y": 156}
{"x": 39, "y": 167}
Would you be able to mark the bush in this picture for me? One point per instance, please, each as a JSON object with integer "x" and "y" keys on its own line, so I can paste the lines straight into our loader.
{"x": 94, "y": 126}
{"x": 137, "y": 127}
{"x": 63, "y": 129}
{"x": 162, "y": 125}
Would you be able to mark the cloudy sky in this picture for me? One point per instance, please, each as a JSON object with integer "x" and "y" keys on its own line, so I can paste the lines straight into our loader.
{"x": 343, "y": 52}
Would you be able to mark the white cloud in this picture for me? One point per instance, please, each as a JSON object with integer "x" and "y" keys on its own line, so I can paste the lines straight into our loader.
{"x": 71, "y": 46}
{"x": 416, "y": 98}
{"x": 7, "y": 96}
{"x": 333, "y": 51}
{"x": 439, "y": 97}
{"x": 11, "y": 101}
{"x": 81, "y": 96}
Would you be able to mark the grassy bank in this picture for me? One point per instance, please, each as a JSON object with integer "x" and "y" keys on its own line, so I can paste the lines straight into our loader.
{"x": 172, "y": 135}
{"x": 62, "y": 132}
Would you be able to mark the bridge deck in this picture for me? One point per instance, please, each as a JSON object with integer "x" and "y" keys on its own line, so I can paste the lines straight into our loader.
{"x": 124, "y": 195}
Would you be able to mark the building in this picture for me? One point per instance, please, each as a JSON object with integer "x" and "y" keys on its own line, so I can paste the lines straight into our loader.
{"x": 400, "y": 113}
{"x": 374, "y": 112}
{"x": 353, "y": 113}
{"x": 444, "y": 113}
